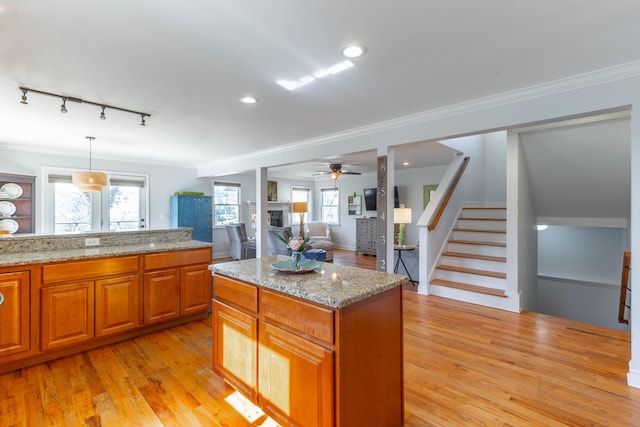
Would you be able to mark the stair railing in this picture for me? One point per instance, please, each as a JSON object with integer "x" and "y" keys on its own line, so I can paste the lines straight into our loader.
{"x": 625, "y": 288}
{"x": 445, "y": 200}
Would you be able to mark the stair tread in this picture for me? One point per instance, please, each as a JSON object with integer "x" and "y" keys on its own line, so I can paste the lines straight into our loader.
{"x": 475, "y": 256}
{"x": 474, "y": 242}
{"x": 485, "y": 208}
{"x": 481, "y": 219}
{"x": 480, "y": 231}
{"x": 468, "y": 287}
{"x": 487, "y": 273}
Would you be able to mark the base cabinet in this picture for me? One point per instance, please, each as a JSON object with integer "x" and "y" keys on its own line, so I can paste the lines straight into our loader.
{"x": 161, "y": 295}
{"x": 316, "y": 366}
{"x": 296, "y": 378}
{"x": 15, "y": 322}
{"x": 117, "y": 305}
{"x": 67, "y": 314}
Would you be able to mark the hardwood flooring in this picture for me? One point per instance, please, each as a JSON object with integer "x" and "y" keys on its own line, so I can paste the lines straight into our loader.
{"x": 465, "y": 365}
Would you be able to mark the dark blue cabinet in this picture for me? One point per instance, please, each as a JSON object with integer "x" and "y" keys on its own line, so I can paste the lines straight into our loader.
{"x": 194, "y": 212}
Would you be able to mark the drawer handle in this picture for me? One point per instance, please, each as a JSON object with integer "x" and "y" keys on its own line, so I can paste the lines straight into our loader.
{"x": 1, "y": 299}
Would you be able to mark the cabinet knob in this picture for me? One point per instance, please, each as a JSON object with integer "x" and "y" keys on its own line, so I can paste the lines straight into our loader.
{"x": 1, "y": 299}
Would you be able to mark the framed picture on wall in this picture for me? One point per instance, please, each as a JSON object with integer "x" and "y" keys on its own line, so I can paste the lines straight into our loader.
{"x": 355, "y": 205}
{"x": 427, "y": 192}
{"x": 272, "y": 191}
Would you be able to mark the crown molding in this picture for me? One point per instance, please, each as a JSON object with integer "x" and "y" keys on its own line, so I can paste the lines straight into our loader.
{"x": 602, "y": 76}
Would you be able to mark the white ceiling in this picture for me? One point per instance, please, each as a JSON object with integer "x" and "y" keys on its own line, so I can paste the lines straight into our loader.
{"x": 187, "y": 63}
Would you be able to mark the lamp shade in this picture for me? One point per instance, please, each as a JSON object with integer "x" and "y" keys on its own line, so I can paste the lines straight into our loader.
{"x": 402, "y": 215}
{"x": 300, "y": 207}
{"x": 89, "y": 181}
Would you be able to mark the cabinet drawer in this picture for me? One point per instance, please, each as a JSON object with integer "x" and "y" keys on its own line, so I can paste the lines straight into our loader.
{"x": 297, "y": 314}
{"x": 76, "y": 270}
{"x": 236, "y": 293}
{"x": 177, "y": 258}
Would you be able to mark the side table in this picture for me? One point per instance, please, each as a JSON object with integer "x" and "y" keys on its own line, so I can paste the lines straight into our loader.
{"x": 400, "y": 260}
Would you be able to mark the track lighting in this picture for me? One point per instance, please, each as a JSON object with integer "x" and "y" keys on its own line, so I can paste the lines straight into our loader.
{"x": 63, "y": 107}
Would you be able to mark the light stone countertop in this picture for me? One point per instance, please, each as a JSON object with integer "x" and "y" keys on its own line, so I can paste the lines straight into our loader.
{"x": 331, "y": 285}
{"x": 24, "y": 258}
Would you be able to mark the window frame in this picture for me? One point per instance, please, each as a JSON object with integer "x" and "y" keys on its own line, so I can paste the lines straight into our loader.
{"x": 336, "y": 206}
{"x": 238, "y": 185}
{"x": 295, "y": 218}
{"x": 100, "y": 221}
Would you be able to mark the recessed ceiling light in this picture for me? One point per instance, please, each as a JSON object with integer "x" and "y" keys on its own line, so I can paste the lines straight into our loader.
{"x": 405, "y": 163}
{"x": 354, "y": 51}
{"x": 542, "y": 227}
{"x": 249, "y": 99}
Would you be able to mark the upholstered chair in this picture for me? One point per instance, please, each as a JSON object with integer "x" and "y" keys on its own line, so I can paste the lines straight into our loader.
{"x": 275, "y": 246}
{"x": 237, "y": 234}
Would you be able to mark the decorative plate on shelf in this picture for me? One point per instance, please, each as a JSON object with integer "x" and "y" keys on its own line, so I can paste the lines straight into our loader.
{"x": 13, "y": 190}
{"x": 286, "y": 266}
{"x": 7, "y": 208}
{"x": 10, "y": 225}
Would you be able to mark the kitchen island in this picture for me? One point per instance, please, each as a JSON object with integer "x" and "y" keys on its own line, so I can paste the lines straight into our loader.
{"x": 317, "y": 349}
{"x": 62, "y": 297}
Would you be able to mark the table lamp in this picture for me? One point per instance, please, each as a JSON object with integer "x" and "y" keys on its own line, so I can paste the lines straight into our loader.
{"x": 301, "y": 208}
{"x": 401, "y": 216}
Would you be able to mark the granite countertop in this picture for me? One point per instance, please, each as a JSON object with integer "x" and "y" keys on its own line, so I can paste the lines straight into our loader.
{"x": 331, "y": 285}
{"x": 23, "y": 258}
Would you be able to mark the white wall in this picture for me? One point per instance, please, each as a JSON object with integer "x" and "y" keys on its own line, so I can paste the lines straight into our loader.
{"x": 164, "y": 181}
{"x": 579, "y": 271}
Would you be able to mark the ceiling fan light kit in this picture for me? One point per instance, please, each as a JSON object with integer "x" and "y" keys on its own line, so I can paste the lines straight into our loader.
{"x": 336, "y": 171}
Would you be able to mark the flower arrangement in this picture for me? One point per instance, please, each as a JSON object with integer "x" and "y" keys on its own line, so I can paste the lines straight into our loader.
{"x": 295, "y": 244}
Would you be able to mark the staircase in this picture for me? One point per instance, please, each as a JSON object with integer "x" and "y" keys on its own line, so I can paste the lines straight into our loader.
{"x": 472, "y": 267}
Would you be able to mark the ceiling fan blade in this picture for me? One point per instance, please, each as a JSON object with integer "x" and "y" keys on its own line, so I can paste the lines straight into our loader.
{"x": 350, "y": 173}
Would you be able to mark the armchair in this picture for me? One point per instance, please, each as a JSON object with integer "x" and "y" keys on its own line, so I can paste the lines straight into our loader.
{"x": 320, "y": 237}
{"x": 275, "y": 246}
{"x": 238, "y": 241}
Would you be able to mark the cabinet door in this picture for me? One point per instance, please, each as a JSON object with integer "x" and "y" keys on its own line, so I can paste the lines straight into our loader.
{"x": 67, "y": 314}
{"x": 15, "y": 325}
{"x": 235, "y": 348}
{"x": 295, "y": 378}
{"x": 161, "y": 295}
{"x": 117, "y": 305}
{"x": 195, "y": 289}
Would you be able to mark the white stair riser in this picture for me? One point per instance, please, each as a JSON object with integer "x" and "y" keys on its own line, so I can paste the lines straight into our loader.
{"x": 474, "y": 224}
{"x": 484, "y": 213}
{"x": 477, "y": 264}
{"x": 478, "y": 236}
{"x": 477, "y": 249}
{"x": 472, "y": 279}
{"x": 473, "y": 297}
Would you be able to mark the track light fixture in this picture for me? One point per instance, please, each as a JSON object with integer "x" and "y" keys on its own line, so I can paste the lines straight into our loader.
{"x": 63, "y": 107}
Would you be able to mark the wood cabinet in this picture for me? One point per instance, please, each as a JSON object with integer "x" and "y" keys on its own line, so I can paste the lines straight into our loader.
{"x": 176, "y": 284}
{"x": 60, "y": 308}
{"x": 67, "y": 314}
{"x": 81, "y": 300}
{"x": 366, "y": 236}
{"x": 23, "y": 204}
{"x": 15, "y": 322}
{"x": 316, "y": 366}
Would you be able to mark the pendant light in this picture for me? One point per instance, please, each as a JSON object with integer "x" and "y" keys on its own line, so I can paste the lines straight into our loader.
{"x": 89, "y": 181}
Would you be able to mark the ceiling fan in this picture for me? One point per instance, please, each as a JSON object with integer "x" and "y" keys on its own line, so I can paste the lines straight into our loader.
{"x": 336, "y": 171}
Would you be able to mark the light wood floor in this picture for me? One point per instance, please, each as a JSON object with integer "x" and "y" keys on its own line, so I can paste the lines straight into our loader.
{"x": 464, "y": 365}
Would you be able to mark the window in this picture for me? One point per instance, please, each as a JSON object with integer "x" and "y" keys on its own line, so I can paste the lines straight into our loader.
{"x": 301, "y": 194}
{"x": 226, "y": 203}
{"x": 121, "y": 205}
{"x": 330, "y": 205}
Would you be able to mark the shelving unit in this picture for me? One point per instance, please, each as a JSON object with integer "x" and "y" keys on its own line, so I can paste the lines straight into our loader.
{"x": 25, "y": 204}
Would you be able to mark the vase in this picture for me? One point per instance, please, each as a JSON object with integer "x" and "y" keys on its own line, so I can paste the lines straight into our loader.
{"x": 296, "y": 259}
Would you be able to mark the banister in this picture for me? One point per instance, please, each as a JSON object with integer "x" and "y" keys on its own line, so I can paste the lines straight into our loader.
{"x": 624, "y": 287}
{"x": 447, "y": 197}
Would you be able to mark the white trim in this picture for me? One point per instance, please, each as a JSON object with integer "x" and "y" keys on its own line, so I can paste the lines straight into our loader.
{"x": 584, "y": 222}
{"x": 567, "y": 281}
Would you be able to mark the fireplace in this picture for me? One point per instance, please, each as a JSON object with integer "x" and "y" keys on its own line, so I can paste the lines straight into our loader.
{"x": 276, "y": 218}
